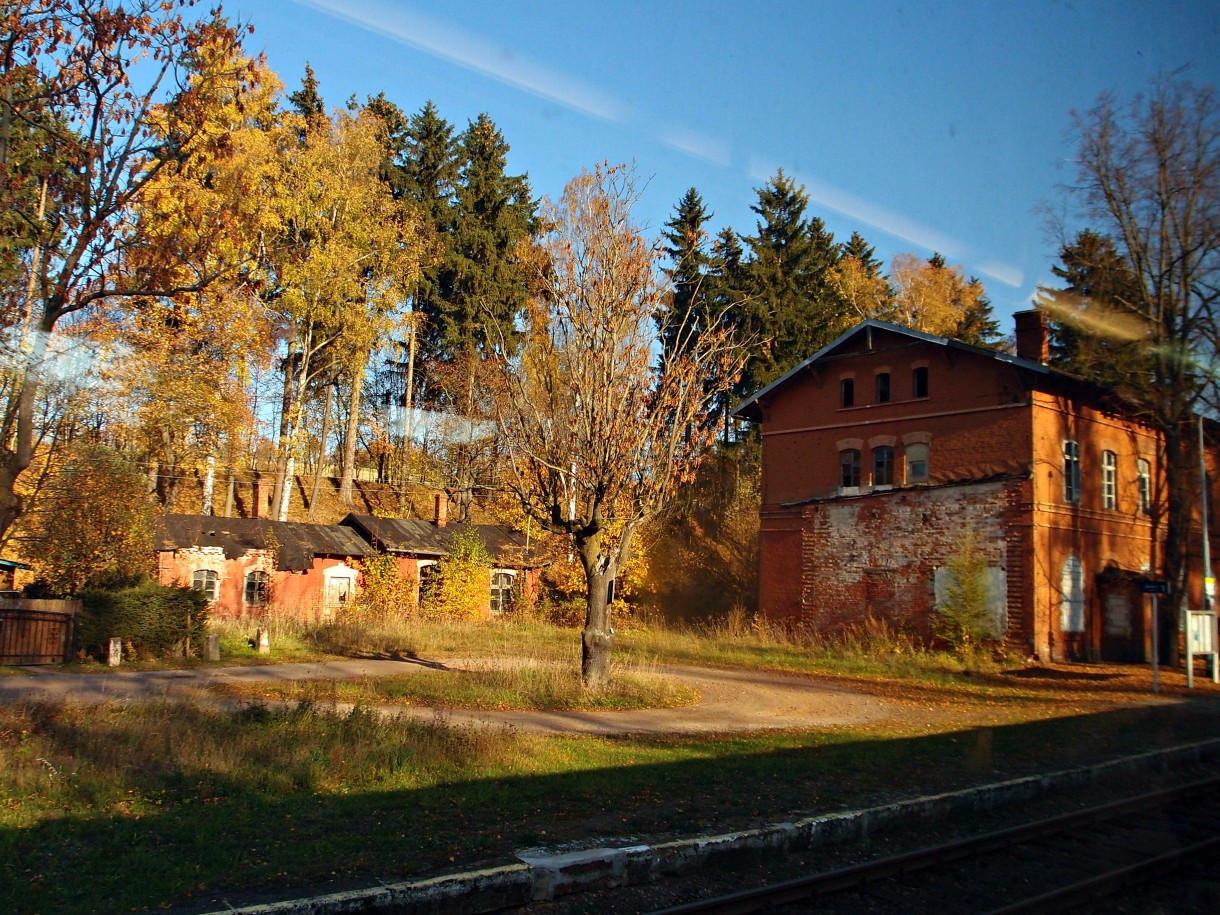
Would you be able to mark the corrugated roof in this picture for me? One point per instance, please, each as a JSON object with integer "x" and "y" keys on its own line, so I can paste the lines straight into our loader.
{"x": 425, "y": 538}
{"x": 298, "y": 544}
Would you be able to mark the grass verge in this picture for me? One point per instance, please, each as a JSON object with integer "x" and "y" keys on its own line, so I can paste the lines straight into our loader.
{"x": 530, "y": 684}
{"x": 137, "y": 806}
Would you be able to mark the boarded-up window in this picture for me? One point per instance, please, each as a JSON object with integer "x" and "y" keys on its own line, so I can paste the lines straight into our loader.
{"x": 997, "y": 597}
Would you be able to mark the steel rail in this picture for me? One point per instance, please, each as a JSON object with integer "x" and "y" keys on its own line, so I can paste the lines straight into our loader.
{"x": 857, "y": 875}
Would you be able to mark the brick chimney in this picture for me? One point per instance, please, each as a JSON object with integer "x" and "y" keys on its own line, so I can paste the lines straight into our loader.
{"x": 442, "y": 510}
{"x": 1033, "y": 336}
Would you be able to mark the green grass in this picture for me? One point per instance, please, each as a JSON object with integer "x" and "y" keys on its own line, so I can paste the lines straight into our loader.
{"x": 151, "y": 805}
{"x": 545, "y": 685}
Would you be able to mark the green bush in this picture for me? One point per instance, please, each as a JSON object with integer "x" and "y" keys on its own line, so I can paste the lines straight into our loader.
{"x": 149, "y": 617}
{"x": 461, "y": 588}
{"x": 962, "y": 616}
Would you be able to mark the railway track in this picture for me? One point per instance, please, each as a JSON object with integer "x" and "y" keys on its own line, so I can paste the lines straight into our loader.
{"x": 1050, "y": 865}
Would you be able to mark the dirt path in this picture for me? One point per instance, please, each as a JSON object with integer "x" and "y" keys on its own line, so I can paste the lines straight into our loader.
{"x": 732, "y": 700}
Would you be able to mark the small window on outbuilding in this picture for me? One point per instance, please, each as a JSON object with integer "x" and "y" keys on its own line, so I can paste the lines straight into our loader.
{"x": 257, "y": 585}
{"x": 883, "y": 466}
{"x": 847, "y": 392}
{"x": 883, "y": 387}
{"x": 917, "y": 463}
{"x": 207, "y": 581}
{"x": 502, "y": 591}
{"x": 919, "y": 382}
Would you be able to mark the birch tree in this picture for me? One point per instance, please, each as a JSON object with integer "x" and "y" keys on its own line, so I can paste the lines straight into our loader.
{"x": 84, "y": 131}
{"x": 601, "y": 425}
{"x": 349, "y": 255}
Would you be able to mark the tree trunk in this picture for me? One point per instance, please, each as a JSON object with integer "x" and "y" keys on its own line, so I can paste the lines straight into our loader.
{"x": 317, "y": 473}
{"x": 1182, "y": 490}
{"x": 209, "y": 484}
{"x": 349, "y": 446}
{"x": 283, "y": 445}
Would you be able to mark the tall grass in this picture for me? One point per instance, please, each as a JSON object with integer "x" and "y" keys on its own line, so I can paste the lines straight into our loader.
{"x": 871, "y": 647}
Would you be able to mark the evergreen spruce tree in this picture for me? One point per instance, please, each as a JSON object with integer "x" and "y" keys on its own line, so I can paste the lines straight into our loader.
{"x": 307, "y": 102}
{"x": 978, "y": 324}
{"x": 1098, "y": 289}
{"x": 686, "y": 247}
{"x": 795, "y": 309}
{"x": 483, "y": 286}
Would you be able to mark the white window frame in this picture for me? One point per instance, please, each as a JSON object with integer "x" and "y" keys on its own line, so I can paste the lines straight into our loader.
{"x": 1143, "y": 471}
{"x": 499, "y": 608}
{"x": 1109, "y": 480}
{"x": 207, "y": 581}
{"x": 1071, "y": 472}
{"x": 264, "y": 590}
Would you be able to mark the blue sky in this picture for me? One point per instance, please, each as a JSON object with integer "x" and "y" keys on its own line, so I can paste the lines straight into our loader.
{"x": 922, "y": 125}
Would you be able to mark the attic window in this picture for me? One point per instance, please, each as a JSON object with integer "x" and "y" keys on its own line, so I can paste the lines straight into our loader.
{"x": 919, "y": 381}
{"x": 883, "y": 387}
{"x": 847, "y": 392}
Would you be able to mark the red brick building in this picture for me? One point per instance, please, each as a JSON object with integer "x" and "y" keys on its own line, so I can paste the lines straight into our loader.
{"x": 258, "y": 567}
{"x": 879, "y": 451}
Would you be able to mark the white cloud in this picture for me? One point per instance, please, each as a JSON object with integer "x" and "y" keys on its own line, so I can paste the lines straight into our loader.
{"x": 466, "y": 50}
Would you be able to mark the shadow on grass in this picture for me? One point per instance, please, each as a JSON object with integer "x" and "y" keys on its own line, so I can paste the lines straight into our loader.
{"x": 171, "y": 829}
{"x": 1046, "y": 673}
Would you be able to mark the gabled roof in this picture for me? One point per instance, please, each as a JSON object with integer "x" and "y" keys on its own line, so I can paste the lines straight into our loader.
{"x": 749, "y": 408}
{"x": 297, "y": 544}
{"x": 427, "y": 539}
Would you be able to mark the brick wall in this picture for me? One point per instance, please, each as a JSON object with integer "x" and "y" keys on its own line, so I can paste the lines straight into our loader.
{"x": 877, "y": 554}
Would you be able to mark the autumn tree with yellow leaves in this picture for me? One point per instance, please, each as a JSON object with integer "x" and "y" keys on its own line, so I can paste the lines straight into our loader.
{"x": 98, "y": 101}
{"x": 600, "y": 425}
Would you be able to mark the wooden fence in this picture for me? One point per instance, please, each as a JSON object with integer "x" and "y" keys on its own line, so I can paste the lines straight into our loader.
{"x": 37, "y": 631}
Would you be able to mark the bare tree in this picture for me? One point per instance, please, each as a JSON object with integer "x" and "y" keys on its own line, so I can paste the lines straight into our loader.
{"x": 1149, "y": 179}
{"x": 601, "y": 425}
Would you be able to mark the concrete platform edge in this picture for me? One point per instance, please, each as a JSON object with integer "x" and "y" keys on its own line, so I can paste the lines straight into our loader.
{"x": 543, "y": 875}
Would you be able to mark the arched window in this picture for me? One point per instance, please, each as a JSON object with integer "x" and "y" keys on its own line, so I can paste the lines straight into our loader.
{"x": 883, "y": 466}
{"x": 849, "y": 469}
{"x": 917, "y": 463}
{"x": 1109, "y": 480}
{"x": 257, "y": 584}
{"x": 1071, "y": 601}
{"x": 207, "y": 581}
{"x": 502, "y": 590}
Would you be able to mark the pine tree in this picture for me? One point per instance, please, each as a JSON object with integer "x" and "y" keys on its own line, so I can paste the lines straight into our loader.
{"x": 795, "y": 309}
{"x": 430, "y": 165}
{"x": 307, "y": 102}
{"x": 977, "y": 325}
{"x": 1094, "y": 301}
{"x": 483, "y": 289}
{"x": 685, "y": 245}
